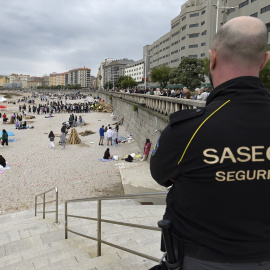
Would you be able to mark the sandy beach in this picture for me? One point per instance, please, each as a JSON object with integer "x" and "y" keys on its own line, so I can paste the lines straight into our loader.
{"x": 75, "y": 170}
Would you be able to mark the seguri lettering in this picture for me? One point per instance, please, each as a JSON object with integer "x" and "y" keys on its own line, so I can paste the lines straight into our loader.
{"x": 241, "y": 154}
{"x": 242, "y": 175}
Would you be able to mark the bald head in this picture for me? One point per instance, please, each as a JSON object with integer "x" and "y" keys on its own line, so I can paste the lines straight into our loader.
{"x": 242, "y": 39}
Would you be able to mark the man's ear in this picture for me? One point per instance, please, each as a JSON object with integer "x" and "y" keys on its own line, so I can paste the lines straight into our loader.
{"x": 265, "y": 60}
{"x": 212, "y": 58}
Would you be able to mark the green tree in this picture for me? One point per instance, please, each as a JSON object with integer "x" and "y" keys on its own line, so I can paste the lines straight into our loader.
{"x": 119, "y": 81}
{"x": 161, "y": 75}
{"x": 128, "y": 82}
{"x": 206, "y": 62}
{"x": 190, "y": 72}
{"x": 265, "y": 75}
{"x": 108, "y": 85}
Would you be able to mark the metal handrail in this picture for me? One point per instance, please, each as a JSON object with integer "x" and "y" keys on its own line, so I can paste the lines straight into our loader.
{"x": 44, "y": 203}
{"x": 100, "y": 220}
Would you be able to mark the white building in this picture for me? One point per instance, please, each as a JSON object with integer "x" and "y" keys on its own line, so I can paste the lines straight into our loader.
{"x": 136, "y": 71}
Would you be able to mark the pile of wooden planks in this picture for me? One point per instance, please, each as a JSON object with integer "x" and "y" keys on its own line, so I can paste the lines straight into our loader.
{"x": 74, "y": 137}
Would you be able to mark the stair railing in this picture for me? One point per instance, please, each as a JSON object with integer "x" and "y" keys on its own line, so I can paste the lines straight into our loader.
{"x": 44, "y": 203}
{"x": 99, "y": 220}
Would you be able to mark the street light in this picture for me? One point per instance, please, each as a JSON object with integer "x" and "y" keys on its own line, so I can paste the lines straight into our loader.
{"x": 217, "y": 6}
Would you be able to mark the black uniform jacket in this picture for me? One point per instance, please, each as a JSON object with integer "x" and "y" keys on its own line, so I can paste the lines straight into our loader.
{"x": 219, "y": 161}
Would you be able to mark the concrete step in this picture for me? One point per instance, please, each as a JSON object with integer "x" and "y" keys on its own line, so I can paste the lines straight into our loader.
{"x": 28, "y": 242}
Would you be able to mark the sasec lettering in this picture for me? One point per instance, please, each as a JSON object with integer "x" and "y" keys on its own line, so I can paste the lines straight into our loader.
{"x": 241, "y": 154}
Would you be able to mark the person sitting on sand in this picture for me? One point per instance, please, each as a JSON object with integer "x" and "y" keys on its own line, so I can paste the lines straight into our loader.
{"x": 2, "y": 161}
{"x": 107, "y": 154}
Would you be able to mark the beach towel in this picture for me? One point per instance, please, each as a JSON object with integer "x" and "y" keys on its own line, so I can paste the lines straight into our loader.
{"x": 4, "y": 168}
{"x": 105, "y": 160}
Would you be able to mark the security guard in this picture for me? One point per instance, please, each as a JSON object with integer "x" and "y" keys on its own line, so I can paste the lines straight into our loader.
{"x": 217, "y": 159}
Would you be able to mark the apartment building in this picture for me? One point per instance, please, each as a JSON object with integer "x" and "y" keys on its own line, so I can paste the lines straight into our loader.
{"x": 34, "y": 82}
{"x": 20, "y": 80}
{"x": 193, "y": 29}
{"x": 3, "y": 79}
{"x": 115, "y": 69}
{"x": 57, "y": 79}
{"x": 80, "y": 76}
{"x": 136, "y": 71}
{"x": 100, "y": 75}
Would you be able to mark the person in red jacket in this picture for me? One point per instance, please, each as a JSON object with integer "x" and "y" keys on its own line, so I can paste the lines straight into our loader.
{"x": 147, "y": 147}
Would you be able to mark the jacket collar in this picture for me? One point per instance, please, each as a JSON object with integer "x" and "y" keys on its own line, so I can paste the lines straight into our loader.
{"x": 242, "y": 87}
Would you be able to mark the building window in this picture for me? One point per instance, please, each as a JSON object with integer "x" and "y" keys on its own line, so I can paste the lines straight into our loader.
{"x": 204, "y": 32}
{"x": 203, "y": 44}
{"x": 265, "y": 9}
{"x": 268, "y": 27}
{"x": 193, "y": 56}
{"x": 182, "y": 48}
{"x": 202, "y": 23}
{"x": 175, "y": 34}
{"x": 193, "y": 25}
{"x": 183, "y": 38}
{"x": 245, "y": 3}
{"x": 193, "y": 46}
{"x": 175, "y": 25}
{"x": 193, "y": 35}
{"x": 203, "y": 55}
{"x": 194, "y": 14}
{"x": 184, "y": 27}
{"x": 231, "y": 10}
{"x": 183, "y": 18}
{"x": 203, "y": 12}
{"x": 254, "y": 15}
{"x": 253, "y": 1}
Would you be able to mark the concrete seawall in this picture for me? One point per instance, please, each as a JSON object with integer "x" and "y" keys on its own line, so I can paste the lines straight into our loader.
{"x": 139, "y": 121}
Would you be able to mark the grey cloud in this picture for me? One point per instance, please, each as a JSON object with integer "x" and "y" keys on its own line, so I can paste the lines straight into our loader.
{"x": 43, "y": 36}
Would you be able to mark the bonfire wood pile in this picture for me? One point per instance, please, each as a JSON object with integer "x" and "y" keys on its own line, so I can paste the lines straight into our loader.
{"x": 74, "y": 137}
{"x": 106, "y": 107}
{"x": 86, "y": 133}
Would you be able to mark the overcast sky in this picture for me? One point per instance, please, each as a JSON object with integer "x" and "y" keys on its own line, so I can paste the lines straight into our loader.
{"x": 38, "y": 37}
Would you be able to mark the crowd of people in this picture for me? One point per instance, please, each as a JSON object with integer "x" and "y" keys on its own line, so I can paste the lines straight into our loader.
{"x": 199, "y": 93}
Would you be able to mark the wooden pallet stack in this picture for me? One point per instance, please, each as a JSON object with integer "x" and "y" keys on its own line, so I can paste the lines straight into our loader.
{"x": 74, "y": 137}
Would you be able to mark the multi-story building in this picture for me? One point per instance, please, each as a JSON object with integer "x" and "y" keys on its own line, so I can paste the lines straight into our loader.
{"x": 136, "y": 71}
{"x": 93, "y": 80}
{"x": 34, "y": 82}
{"x": 115, "y": 69}
{"x": 4, "y": 79}
{"x": 193, "y": 29}
{"x": 80, "y": 76}
{"x": 57, "y": 79}
{"x": 20, "y": 80}
{"x": 100, "y": 75}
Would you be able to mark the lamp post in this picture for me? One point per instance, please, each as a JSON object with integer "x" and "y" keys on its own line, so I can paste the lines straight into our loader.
{"x": 217, "y": 6}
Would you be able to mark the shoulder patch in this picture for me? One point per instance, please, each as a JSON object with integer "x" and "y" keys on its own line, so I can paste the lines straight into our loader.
{"x": 185, "y": 115}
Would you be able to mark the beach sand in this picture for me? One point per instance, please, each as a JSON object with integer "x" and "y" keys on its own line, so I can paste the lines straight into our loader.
{"x": 75, "y": 170}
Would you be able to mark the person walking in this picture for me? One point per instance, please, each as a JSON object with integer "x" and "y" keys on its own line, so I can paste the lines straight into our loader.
{"x": 216, "y": 159}
{"x": 51, "y": 137}
{"x": 4, "y": 138}
{"x": 114, "y": 137}
{"x": 63, "y": 140}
